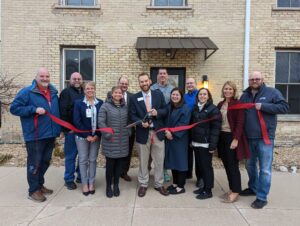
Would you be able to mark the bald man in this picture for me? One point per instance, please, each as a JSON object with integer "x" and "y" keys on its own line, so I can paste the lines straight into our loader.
{"x": 66, "y": 102}
{"x": 270, "y": 102}
{"x": 39, "y": 133}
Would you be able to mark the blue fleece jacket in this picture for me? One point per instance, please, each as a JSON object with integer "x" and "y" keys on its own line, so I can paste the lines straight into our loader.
{"x": 25, "y": 104}
{"x": 272, "y": 103}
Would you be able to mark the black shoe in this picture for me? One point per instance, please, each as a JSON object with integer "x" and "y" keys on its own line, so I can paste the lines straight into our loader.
{"x": 198, "y": 191}
{"x": 171, "y": 187}
{"x": 200, "y": 183}
{"x": 116, "y": 191}
{"x": 247, "y": 192}
{"x": 109, "y": 192}
{"x": 204, "y": 195}
{"x": 175, "y": 192}
{"x": 86, "y": 193}
{"x": 78, "y": 180}
{"x": 258, "y": 204}
{"x": 71, "y": 185}
{"x": 92, "y": 192}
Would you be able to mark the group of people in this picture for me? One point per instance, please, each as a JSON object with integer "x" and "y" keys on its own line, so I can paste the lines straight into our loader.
{"x": 149, "y": 118}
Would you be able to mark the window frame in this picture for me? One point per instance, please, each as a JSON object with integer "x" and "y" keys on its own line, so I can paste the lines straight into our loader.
{"x": 286, "y": 7}
{"x": 63, "y": 2}
{"x": 286, "y": 117}
{"x": 183, "y": 6}
{"x": 63, "y": 63}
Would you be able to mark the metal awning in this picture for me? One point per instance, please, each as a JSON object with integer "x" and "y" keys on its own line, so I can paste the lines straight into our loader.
{"x": 172, "y": 44}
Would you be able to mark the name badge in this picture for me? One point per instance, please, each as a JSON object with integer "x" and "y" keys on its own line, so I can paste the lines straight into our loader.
{"x": 140, "y": 99}
{"x": 88, "y": 113}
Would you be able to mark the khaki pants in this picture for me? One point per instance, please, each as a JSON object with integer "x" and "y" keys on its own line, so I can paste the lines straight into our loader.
{"x": 157, "y": 152}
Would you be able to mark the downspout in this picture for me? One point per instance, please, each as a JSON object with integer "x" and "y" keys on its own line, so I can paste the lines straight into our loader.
{"x": 247, "y": 43}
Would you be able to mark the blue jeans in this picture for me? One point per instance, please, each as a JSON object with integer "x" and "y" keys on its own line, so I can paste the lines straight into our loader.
{"x": 39, "y": 154}
{"x": 71, "y": 152}
{"x": 260, "y": 181}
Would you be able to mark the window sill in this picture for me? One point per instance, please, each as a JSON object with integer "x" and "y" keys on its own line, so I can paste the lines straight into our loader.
{"x": 169, "y": 7}
{"x": 275, "y": 8}
{"x": 96, "y": 7}
{"x": 288, "y": 118}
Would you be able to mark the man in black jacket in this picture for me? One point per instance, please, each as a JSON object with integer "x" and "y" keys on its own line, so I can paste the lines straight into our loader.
{"x": 66, "y": 102}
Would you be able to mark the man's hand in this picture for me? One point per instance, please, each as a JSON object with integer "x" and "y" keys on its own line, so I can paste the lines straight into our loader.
{"x": 61, "y": 135}
{"x": 89, "y": 138}
{"x": 40, "y": 111}
{"x": 153, "y": 112}
{"x": 258, "y": 106}
{"x": 145, "y": 124}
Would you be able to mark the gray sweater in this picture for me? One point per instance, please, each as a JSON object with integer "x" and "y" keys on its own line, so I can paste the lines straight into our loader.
{"x": 116, "y": 117}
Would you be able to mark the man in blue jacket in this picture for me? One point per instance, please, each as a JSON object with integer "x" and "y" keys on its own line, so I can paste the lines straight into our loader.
{"x": 31, "y": 104}
{"x": 270, "y": 102}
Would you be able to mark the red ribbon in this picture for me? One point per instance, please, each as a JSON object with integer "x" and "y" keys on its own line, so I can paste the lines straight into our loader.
{"x": 181, "y": 128}
{"x": 69, "y": 125}
{"x": 260, "y": 117}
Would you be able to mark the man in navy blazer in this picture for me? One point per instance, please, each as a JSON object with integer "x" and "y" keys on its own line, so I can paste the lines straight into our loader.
{"x": 142, "y": 103}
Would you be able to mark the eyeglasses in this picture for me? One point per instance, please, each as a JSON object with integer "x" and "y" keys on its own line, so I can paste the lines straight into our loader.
{"x": 254, "y": 79}
{"x": 79, "y": 79}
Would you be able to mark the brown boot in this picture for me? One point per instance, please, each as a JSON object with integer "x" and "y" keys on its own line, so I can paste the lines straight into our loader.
{"x": 46, "y": 191}
{"x": 37, "y": 196}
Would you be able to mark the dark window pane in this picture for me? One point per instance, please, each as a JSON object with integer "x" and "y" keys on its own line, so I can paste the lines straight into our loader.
{"x": 161, "y": 2}
{"x": 294, "y": 68}
{"x": 283, "y": 3}
{"x": 282, "y": 67}
{"x": 73, "y": 2}
{"x": 72, "y": 62}
{"x": 175, "y": 2}
{"x": 87, "y": 2}
{"x": 86, "y": 64}
{"x": 282, "y": 89}
{"x": 295, "y": 3}
{"x": 294, "y": 99}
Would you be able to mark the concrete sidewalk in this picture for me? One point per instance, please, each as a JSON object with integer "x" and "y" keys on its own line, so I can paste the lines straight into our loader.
{"x": 66, "y": 207}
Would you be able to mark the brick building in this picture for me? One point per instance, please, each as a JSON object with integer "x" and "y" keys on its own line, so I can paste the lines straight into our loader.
{"x": 100, "y": 39}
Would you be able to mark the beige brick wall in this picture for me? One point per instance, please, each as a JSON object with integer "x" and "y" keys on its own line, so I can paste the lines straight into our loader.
{"x": 33, "y": 32}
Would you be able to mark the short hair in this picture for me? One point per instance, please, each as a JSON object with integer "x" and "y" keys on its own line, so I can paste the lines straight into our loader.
{"x": 181, "y": 102}
{"x": 233, "y": 86}
{"x": 123, "y": 77}
{"x": 143, "y": 74}
{"x": 210, "y": 99}
{"x": 114, "y": 88}
{"x": 89, "y": 83}
{"x": 162, "y": 68}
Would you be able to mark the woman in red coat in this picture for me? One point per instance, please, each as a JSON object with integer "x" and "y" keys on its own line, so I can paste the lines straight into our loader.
{"x": 232, "y": 146}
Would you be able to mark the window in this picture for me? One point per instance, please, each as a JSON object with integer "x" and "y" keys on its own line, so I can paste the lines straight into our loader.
{"x": 287, "y": 78}
{"x": 169, "y": 2}
{"x": 79, "y": 2}
{"x": 288, "y": 3}
{"x": 78, "y": 60}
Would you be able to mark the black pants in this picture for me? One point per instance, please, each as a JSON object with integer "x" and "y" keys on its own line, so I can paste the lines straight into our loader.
{"x": 191, "y": 163}
{"x": 127, "y": 160}
{"x": 113, "y": 170}
{"x": 230, "y": 161}
{"x": 203, "y": 160}
{"x": 179, "y": 178}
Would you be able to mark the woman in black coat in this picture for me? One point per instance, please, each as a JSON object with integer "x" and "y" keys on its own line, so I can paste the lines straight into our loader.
{"x": 205, "y": 139}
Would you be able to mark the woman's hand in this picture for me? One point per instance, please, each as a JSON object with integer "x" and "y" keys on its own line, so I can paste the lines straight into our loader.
{"x": 89, "y": 138}
{"x": 234, "y": 144}
{"x": 168, "y": 134}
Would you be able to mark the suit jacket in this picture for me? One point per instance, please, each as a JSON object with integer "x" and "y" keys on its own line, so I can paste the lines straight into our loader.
{"x": 138, "y": 111}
